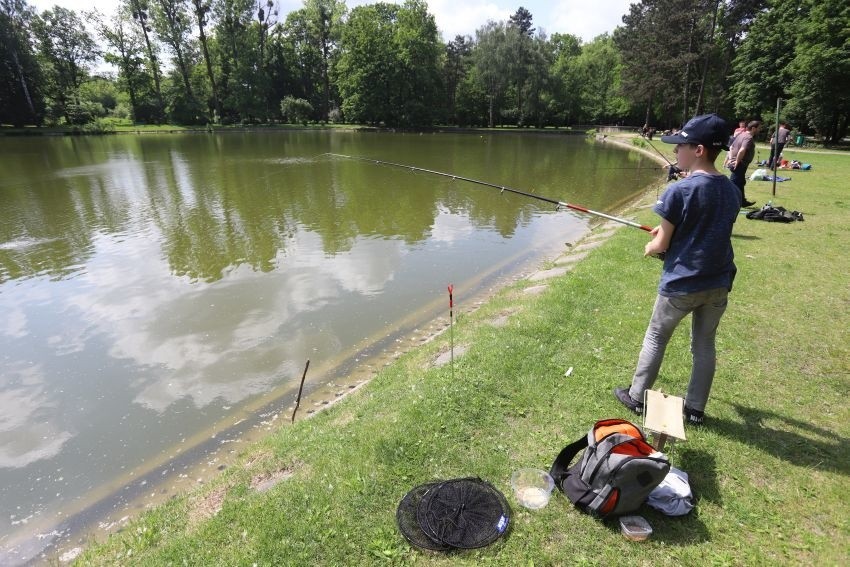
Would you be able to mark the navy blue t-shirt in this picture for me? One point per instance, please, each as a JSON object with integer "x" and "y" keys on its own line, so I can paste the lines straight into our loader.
{"x": 703, "y": 209}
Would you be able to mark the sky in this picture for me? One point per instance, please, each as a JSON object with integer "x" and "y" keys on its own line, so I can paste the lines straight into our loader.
{"x": 583, "y": 18}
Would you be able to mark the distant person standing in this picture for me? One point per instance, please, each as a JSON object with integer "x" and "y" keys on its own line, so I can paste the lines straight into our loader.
{"x": 742, "y": 127}
{"x": 777, "y": 143}
{"x": 740, "y": 156}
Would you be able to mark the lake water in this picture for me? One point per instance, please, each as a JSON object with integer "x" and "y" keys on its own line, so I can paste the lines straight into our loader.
{"x": 161, "y": 294}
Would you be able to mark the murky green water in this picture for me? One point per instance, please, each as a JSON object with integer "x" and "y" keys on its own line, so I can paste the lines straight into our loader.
{"x": 156, "y": 289}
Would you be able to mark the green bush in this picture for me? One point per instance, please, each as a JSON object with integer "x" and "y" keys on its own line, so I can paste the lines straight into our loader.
{"x": 295, "y": 110}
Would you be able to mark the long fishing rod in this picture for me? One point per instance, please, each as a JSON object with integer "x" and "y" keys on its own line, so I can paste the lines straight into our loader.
{"x": 505, "y": 188}
{"x": 673, "y": 170}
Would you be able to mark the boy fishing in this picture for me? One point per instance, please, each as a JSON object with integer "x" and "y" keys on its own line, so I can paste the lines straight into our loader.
{"x": 697, "y": 214}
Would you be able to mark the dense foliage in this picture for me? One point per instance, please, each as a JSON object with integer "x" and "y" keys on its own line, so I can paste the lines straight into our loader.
{"x": 240, "y": 61}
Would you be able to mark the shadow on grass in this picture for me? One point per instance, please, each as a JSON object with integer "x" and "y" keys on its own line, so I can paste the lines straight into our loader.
{"x": 670, "y": 530}
{"x": 818, "y": 448}
{"x": 689, "y": 529}
{"x": 701, "y": 467}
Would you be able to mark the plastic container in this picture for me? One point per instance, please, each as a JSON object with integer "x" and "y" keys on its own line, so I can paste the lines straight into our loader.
{"x": 635, "y": 528}
{"x": 532, "y": 488}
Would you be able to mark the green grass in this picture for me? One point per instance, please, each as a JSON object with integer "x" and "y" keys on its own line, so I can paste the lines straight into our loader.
{"x": 770, "y": 468}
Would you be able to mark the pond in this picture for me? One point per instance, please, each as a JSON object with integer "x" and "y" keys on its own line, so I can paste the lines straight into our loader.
{"x": 161, "y": 294}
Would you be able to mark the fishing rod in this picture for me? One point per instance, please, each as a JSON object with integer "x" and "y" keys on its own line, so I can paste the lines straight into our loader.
{"x": 673, "y": 170}
{"x": 555, "y": 202}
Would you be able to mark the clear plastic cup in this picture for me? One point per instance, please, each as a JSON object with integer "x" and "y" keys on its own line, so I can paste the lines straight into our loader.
{"x": 532, "y": 488}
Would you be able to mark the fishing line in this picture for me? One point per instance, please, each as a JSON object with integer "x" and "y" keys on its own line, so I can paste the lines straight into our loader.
{"x": 503, "y": 188}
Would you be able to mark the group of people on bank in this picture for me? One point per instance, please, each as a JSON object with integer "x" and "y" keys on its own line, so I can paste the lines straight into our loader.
{"x": 742, "y": 151}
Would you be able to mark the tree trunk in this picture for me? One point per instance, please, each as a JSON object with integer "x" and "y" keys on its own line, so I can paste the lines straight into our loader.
{"x": 326, "y": 99}
{"x": 23, "y": 80}
{"x": 202, "y": 36}
{"x": 491, "y": 111}
{"x": 325, "y": 39}
{"x": 184, "y": 71}
{"x": 208, "y": 61}
{"x": 153, "y": 61}
{"x": 707, "y": 58}
{"x": 687, "y": 85}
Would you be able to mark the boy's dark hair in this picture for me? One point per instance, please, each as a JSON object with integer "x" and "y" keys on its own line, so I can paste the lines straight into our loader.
{"x": 753, "y": 124}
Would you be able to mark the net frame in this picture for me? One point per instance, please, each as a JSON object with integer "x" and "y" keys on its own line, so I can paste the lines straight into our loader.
{"x": 408, "y": 523}
{"x": 464, "y": 513}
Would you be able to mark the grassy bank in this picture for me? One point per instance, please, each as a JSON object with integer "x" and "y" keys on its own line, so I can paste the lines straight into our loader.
{"x": 770, "y": 468}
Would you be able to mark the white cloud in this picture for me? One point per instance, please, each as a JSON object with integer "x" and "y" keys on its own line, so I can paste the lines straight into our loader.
{"x": 587, "y": 19}
{"x": 463, "y": 18}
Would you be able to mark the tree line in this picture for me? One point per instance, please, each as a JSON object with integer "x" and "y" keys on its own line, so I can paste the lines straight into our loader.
{"x": 242, "y": 62}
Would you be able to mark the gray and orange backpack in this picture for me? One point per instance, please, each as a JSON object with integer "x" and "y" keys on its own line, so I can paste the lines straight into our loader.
{"x": 617, "y": 472}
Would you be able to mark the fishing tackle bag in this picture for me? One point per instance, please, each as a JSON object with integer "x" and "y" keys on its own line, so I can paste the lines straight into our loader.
{"x": 770, "y": 213}
{"x": 615, "y": 474}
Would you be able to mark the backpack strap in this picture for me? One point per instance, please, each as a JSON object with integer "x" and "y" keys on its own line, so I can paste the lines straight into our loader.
{"x": 562, "y": 462}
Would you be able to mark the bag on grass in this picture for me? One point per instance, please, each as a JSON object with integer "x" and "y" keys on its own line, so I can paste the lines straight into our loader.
{"x": 770, "y": 213}
{"x": 616, "y": 473}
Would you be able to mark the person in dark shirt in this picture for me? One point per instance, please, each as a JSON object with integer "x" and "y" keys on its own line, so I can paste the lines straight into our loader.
{"x": 740, "y": 156}
{"x": 695, "y": 235}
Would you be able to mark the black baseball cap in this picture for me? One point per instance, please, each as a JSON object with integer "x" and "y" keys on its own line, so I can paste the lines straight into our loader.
{"x": 708, "y": 129}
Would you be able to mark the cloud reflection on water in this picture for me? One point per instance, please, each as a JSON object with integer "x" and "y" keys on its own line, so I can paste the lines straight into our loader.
{"x": 28, "y": 432}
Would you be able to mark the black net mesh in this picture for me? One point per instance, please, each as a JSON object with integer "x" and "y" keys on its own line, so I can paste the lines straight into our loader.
{"x": 408, "y": 522}
{"x": 463, "y": 513}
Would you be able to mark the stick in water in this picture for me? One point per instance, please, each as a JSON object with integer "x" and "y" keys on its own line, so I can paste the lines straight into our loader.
{"x": 301, "y": 387}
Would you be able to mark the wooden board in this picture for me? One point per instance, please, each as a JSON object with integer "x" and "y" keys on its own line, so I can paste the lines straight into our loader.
{"x": 663, "y": 414}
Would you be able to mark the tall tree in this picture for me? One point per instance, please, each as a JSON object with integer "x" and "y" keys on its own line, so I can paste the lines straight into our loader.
{"x": 235, "y": 49}
{"x": 325, "y": 18}
{"x": 820, "y": 84}
{"x": 662, "y": 42}
{"x": 457, "y": 62}
{"x": 646, "y": 71}
{"x": 518, "y": 33}
{"x": 367, "y": 68}
{"x": 303, "y": 56}
{"x": 67, "y": 50}
{"x": 172, "y": 24}
{"x": 419, "y": 49}
{"x": 125, "y": 51}
{"x": 598, "y": 70}
{"x": 767, "y": 53}
{"x": 139, "y": 10}
{"x": 20, "y": 97}
{"x": 735, "y": 18}
{"x": 566, "y": 82}
{"x": 201, "y": 10}
{"x": 521, "y": 20}
{"x": 492, "y": 60}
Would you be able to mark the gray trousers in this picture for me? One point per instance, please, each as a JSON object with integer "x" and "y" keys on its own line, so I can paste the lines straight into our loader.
{"x": 706, "y": 307}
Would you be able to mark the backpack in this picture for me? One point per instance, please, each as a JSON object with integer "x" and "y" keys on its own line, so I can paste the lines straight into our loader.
{"x": 770, "y": 213}
{"x": 616, "y": 473}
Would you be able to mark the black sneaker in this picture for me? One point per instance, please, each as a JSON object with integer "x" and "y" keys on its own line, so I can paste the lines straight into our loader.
{"x": 748, "y": 203}
{"x": 694, "y": 417}
{"x": 622, "y": 394}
